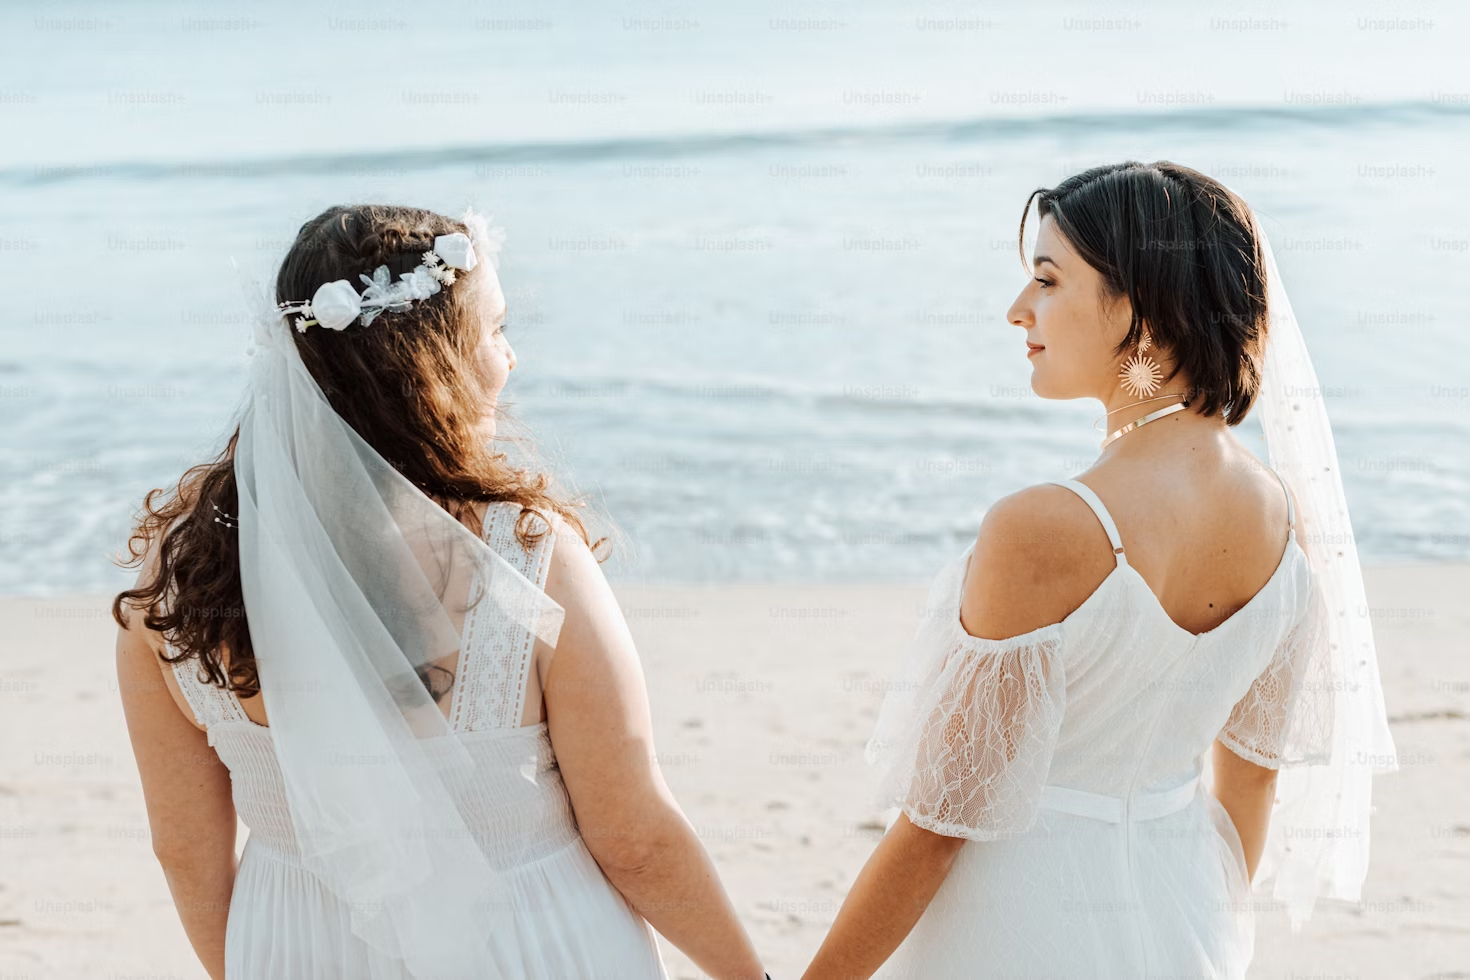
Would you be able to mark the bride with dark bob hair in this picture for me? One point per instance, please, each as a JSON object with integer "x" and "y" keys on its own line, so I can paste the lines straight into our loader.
{"x": 1141, "y": 689}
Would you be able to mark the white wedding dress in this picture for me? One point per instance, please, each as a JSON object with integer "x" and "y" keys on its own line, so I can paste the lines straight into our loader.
{"x": 1071, "y": 757}
{"x": 565, "y": 918}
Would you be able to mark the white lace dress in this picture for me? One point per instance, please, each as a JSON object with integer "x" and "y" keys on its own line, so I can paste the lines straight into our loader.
{"x": 1071, "y": 758}
{"x": 567, "y": 919}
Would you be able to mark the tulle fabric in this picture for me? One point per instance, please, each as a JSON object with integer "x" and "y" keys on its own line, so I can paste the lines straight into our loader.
{"x": 1318, "y": 842}
{"x": 356, "y": 584}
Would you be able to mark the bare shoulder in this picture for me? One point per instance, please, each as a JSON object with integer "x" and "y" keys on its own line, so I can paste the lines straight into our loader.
{"x": 575, "y": 581}
{"x": 1251, "y": 501}
{"x": 573, "y": 568}
{"x": 1039, "y": 554}
{"x": 1277, "y": 499}
{"x": 594, "y": 676}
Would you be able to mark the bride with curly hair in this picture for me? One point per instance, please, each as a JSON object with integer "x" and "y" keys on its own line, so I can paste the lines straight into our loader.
{"x": 392, "y": 654}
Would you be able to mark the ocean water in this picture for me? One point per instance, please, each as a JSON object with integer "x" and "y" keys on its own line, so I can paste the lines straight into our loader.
{"x": 757, "y": 261}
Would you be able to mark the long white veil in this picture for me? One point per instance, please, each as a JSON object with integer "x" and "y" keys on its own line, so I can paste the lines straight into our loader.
{"x": 355, "y": 583}
{"x": 1317, "y": 845}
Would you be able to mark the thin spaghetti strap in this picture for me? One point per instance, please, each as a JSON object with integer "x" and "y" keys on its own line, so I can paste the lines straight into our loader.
{"x": 1290, "y": 506}
{"x": 1095, "y": 502}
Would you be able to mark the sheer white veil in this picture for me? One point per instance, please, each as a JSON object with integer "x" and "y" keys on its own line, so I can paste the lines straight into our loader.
{"x": 1337, "y": 734}
{"x": 354, "y": 583}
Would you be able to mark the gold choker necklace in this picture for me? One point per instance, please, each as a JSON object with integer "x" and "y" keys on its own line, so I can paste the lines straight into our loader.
{"x": 1168, "y": 410}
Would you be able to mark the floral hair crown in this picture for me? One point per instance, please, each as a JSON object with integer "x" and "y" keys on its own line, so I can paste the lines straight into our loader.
{"x": 336, "y": 304}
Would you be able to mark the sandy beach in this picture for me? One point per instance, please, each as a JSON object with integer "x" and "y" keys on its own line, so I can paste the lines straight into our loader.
{"x": 763, "y": 697}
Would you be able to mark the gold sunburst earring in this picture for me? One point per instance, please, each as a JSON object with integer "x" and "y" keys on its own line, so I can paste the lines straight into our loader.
{"x": 1141, "y": 375}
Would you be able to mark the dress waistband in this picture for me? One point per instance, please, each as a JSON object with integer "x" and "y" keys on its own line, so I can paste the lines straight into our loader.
{"x": 1098, "y": 806}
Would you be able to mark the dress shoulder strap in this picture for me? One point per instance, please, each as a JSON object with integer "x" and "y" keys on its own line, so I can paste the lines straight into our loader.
{"x": 1095, "y": 502}
{"x": 211, "y": 704}
{"x": 1290, "y": 506}
{"x": 496, "y": 658}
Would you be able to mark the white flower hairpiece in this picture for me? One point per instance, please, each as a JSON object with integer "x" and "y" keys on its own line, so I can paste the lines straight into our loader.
{"x": 336, "y": 304}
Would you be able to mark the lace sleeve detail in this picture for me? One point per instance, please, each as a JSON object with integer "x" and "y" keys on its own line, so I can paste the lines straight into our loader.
{"x": 967, "y": 732}
{"x": 1286, "y": 717}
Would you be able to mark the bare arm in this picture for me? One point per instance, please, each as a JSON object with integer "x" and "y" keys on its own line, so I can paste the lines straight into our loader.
{"x": 891, "y": 892}
{"x": 1246, "y": 791}
{"x": 186, "y": 789}
{"x": 597, "y": 711}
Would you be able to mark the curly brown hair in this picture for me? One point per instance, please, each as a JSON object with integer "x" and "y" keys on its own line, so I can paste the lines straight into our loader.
{"x": 409, "y": 386}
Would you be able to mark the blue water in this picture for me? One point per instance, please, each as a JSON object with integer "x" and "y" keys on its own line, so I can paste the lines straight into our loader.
{"x": 765, "y": 337}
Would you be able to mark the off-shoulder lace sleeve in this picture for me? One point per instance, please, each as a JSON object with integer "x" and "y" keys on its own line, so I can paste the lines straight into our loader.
{"x": 966, "y": 734}
{"x": 1286, "y": 717}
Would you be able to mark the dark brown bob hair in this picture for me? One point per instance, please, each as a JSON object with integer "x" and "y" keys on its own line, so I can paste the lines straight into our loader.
{"x": 1183, "y": 249}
